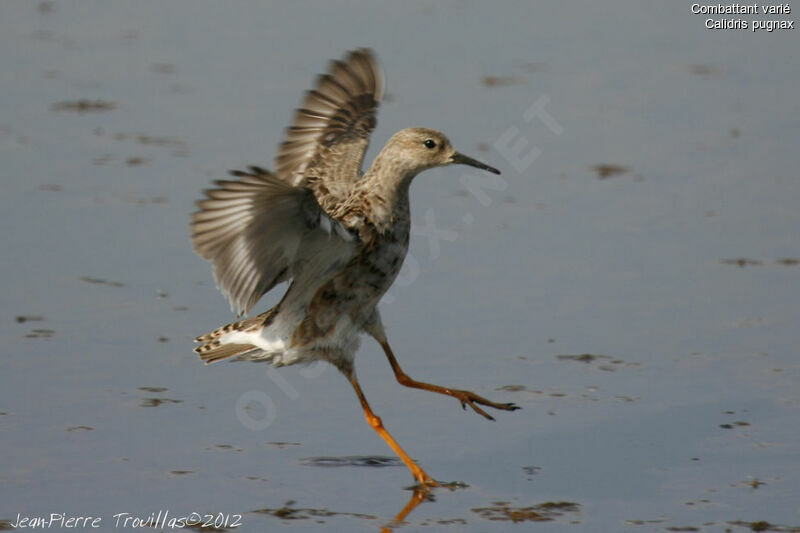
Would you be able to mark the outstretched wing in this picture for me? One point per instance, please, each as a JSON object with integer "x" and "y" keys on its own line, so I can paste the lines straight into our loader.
{"x": 259, "y": 230}
{"x": 325, "y": 144}
{"x": 264, "y": 228}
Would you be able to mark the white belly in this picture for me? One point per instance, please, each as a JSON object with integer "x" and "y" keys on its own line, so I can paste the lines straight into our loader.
{"x": 275, "y": 341}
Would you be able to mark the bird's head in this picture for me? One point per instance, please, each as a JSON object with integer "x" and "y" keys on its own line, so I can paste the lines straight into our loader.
{"x": 418, "y": 149}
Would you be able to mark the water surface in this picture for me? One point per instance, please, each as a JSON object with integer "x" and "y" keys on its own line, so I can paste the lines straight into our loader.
{"x": 631, "y": 280}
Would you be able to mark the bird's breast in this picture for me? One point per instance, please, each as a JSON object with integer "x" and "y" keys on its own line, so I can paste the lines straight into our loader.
{"x": 385, "y": 260}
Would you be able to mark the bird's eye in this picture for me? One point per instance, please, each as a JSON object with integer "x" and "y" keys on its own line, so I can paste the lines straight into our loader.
{"x": 430, "y": 143}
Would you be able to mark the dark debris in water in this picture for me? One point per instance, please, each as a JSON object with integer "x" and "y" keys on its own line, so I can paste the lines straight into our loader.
{"x": 540, "y": 392}
{"x": 513, "y": 79}
{"x": 758, "y": 525}
{"x": 543, "y": 512}
{"x": 226, "y": 447}
{"x": 645, "y": 522}
{"x": 583, "y": 358}
{"x": 531, "y": 471}
{"x": 738, "y": 423}
{"x": 101, "y": 281}
{"x": 378, "y": 461}
{"x": 512, "y": 388}
{"x": 609, "y": 170}
{"x": 763, "y": 525}
{"x": 289, "y": 512}
{"x": 742, "y": 262}
{"x": 135, "y": 161}
{"x": 80, "y": 428}
{"x": 29, "y": 318}
{"x": 502, "y": 81}
{"x": 84, "y": 106}
{"x": 701, "y": 501}
{"x": 177, "y": 146}
{"x": 282, "y": 444}
{"x": 611, "y": 366}
{"x": 444, "y": 522}
{"x": 153, "y": 389}
{"x": 155, "y": 402}
{"x": 627, "y": 399}
{"x": 40, "y": 333}
{"x": 149, "y": 140}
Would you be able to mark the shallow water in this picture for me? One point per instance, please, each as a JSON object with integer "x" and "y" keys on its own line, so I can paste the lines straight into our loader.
{"x": 630, "y": 280}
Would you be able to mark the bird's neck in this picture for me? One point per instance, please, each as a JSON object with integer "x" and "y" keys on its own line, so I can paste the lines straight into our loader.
{"x": 385, "y": 186}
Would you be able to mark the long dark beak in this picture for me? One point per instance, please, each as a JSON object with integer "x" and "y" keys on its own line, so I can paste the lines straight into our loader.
{"x": 461, "y": 159}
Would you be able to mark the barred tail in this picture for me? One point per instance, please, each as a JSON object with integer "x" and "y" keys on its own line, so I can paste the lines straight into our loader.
{"x": 214, "y": 351}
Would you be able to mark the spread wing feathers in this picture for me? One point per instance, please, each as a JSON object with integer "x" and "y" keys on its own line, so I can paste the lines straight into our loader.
{"x": 330, "y": 133}
{"x": 259, "y": 231}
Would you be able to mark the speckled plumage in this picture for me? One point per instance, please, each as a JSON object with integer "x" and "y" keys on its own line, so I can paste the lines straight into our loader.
{"x": 338, "y": 235}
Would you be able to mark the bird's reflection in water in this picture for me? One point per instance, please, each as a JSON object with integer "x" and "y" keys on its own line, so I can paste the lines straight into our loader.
{"x": 421, "y": 493}
{"x": 417, "y": 497}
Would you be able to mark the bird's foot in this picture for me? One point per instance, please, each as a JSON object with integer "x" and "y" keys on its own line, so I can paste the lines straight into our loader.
{"x": 470, "y": 398}
{"x": 426, "y": 482}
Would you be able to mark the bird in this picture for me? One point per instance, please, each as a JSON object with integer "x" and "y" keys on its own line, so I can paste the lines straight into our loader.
{"x": 337, "y": 234}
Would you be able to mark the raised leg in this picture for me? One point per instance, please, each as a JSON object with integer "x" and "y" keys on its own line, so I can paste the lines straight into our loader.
{"x": 374, "y": 420}
{"x": 464, "y": 396}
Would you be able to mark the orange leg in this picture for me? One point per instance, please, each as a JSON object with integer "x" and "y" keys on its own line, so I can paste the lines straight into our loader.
{"x": 464, "y": 396}
{"x": 374, "y": 420}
